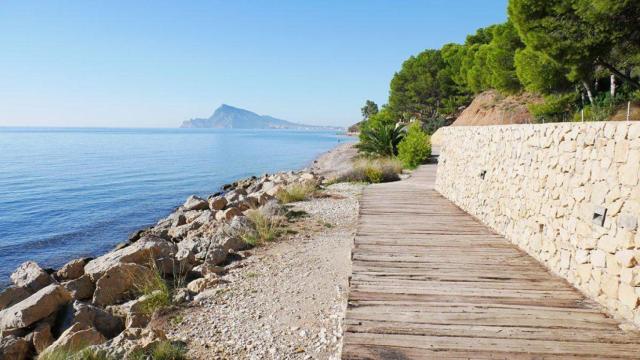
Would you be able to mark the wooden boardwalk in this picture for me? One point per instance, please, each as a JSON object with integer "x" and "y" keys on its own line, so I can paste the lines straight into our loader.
{"x": 431, "y": 282}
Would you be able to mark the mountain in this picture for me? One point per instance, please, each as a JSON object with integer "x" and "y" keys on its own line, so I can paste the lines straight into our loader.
{"x": 229, "y": 117}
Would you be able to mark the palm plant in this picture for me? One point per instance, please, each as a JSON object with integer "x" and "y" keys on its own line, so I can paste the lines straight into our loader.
{"x": 381, "y": 139}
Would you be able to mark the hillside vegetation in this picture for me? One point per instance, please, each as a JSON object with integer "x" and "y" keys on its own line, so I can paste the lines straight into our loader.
{"x": 559, "y": 59}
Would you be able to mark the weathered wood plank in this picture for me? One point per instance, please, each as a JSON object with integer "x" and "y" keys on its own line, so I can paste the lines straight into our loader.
{"x": 430, "y": 281}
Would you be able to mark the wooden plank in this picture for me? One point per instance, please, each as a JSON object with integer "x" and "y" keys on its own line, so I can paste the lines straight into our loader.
{"x": 430, "y": 281}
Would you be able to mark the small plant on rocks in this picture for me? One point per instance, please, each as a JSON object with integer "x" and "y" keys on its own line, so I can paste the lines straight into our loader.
{"x": 165, "y": 350}
{"x": 155, "y": 290}
{"x": 266, "y": 227}
{"x": 297, "y": 192}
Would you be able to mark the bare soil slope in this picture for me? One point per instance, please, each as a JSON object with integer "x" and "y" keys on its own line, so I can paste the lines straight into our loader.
{"x": 492, "y": 108}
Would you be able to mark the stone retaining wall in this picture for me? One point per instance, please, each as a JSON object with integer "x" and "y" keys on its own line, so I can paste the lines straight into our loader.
{"x": 546, "y": 188}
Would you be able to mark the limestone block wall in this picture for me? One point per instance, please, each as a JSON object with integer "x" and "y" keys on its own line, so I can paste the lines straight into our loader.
{"x": 566, "y": 193}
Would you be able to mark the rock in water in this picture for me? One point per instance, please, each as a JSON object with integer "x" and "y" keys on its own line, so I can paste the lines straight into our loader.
{"x": 36, "y": 307}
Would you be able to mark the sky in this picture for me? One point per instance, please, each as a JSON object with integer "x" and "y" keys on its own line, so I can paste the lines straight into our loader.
{"x": 156, "y": 63}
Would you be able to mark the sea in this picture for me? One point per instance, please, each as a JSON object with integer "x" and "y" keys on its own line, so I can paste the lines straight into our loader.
{"x": 67, "y": 193}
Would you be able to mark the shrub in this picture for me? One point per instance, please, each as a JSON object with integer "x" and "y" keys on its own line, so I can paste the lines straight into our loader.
{"x": 373, "y": 170}
{"x": 415, "y": 147}
{"x": 555, "y": 108}
{"x": 296, "y": 192}
{"x": 266, "y": 227}
{"x": 64, "y": 354}
{"x": 165, "y": 350}
{"x": 380, "y": 135}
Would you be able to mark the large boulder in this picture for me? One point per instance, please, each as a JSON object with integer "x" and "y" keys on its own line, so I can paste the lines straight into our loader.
{"x": 230, "y": 236}
{"x": 179, "y": 232}
{"x": 31, "y": 276}
{"x": 216, "y": 255}
{"x": 228, "y": 214}
{"x": 217, "y": 203}
{"x": 36, "y": 307}
{"x": 130, "y": 341}
{"x": 120, "y": 283}
{"x": 135, "y": 311}
{"x": 75, "y": 338}
{"x": 14, "y": 348}
{"x": 41, "y": 337}
{"x": 144, "y": 251}
{"x": 195, "y": 203}
{"x": 92, "y": 316}
{"x": 81, "y": 288}
{"x": 13, "y": 295}
{"x": 72, "y": 270}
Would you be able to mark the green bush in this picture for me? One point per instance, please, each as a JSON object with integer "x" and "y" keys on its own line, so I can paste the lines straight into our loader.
{"x": 380, "y": 135}
{"x": 415, "y": 147}
{"x": 554, "y": 108}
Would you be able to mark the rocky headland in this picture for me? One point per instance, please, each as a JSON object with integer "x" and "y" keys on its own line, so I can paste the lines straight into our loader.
{"x": 257, "y": 270}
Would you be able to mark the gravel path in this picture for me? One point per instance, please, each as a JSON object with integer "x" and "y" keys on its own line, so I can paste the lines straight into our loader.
{"x": 285, "y": 300}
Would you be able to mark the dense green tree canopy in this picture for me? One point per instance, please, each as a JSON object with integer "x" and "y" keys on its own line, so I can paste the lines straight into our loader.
{"x": 573, "y": 52}
{"x": 369, "y": 109}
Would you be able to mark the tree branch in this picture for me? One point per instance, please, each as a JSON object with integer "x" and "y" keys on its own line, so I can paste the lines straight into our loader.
{"x": 620, "y": 74}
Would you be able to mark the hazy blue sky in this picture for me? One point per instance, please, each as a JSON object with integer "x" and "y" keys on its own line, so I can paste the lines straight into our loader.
{"x": 156, "y": 63}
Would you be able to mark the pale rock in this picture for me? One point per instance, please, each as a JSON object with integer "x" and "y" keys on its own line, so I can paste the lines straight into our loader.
{"x": 93, "y": 316}
{"x": 630, "y": 276}
{"x": 626, "y": 258}
{"x": 144, "y": 251}
{"x": 628, "y": 222}
{"x": 195, "y": 203}
{"x": 598, "y": 258}
{"x": 216, "y": 255}
{"x": 582, "y": 256}
{"x": 608, "y": 244}
{"x": 75, "y": 338}
{"x": 621, "y": 151}
{"x": 130, "y": 341}
{"x": 584, "y": 272}
{"x": 80, "y": 288}
{"x": 12, "y": 295}
{"x": 31, "y": 276}
{"x": 610, "y": 286}
{"x": 613, "y": 266}
{"x": 41, "y": 337}
{"x": 72, "y": 270}
{"x": 627, "y": 296}
{"x": 120, "y": 282}
{"x": 36, "y": 307}
{"x": 199, "y": 285}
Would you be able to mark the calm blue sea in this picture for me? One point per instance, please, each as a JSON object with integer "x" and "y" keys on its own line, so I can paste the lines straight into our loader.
{"x": 68, "y": 193}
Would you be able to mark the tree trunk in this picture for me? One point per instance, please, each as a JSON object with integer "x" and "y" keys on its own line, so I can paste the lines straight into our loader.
{"x": 613, "y": 85}
{"x": 587, "y": 88}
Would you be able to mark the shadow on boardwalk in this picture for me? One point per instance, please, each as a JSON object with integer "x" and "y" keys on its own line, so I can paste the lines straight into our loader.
{"x": 430, "y": 281}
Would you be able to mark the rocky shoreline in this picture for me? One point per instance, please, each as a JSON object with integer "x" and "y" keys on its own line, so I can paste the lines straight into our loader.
{"x": 128, "y": 302}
